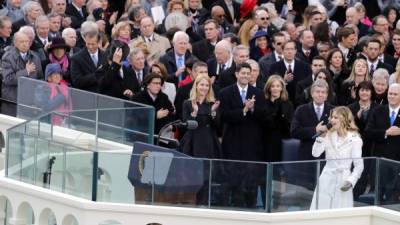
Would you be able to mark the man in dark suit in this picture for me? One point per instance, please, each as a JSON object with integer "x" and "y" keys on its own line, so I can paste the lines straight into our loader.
{"x": 232, "y": 10}
{"x": 317, "y": 64}
{"x": 204, "y": 49}
{"x": 241, "y": 114}
{"x": 277, "y": 55}
{"x": 373, "y": 50}
{"x": 311, "y": 118}
{"x": 86, "y": 63}
{"x": 218, "y": 14}
{"x": 306, "y": 51}
{"x": 222, "y": 62}
{"x": 384, "y": 129}
{"x": 290, "y": 69}
{"x": 261, "y": 17}
{"x": 353, "y": 18}
{"x": 174, "y": 60}
{"x": 77, "y": 11}
{"x": 41, "y": 41}
{"x": 32, "y": 10}
{"x": 240, "y": 55}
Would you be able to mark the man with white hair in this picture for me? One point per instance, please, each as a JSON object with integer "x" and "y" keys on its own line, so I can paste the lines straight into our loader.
{"x": 17, "y": 62}
{"x": 353, "y": 18}
{"x": 261, "y": 17}
{"x": 222, "y": 62}
{"x": 240, "y": 54}
{"x": 30, "y": 32}
{"x": 32, "y": 10}
{"x": 70, "y": 37}
{"x": 42, "y": 28}
{"x": 59, "y": 7}
{"x": 174, "y": 60}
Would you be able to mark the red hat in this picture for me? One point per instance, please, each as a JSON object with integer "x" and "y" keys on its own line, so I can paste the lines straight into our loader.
{"x": 246, "y": 7}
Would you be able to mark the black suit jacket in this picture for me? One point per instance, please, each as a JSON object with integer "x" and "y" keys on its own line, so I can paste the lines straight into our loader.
{"x": 265, "y": 65}
{"x": 386, "y": 66}
{"x": 83, "y": 70}
{"x": 300, "y": 72}
{"x": 169, "y": 62}
{"x": 76, "y": 17}
{"x": 228, "y": 16}
{"x": 390, "y": 60}
{"x": 227, "y": 77}
{"x": 243, "y": 134}
{"x": 300, "y": 88}
{"x": 203, "y": 50}
{"x": 378, "y": 123}
{"x": 303, "y": 127}
{"x": 302, "y": 57}
{"x": 18, "y": 24}
{"x": 111, "y": 83}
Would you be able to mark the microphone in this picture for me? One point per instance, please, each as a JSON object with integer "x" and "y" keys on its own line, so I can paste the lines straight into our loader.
{"x": 189, "y": 124}
{"x": 328, "y": 126}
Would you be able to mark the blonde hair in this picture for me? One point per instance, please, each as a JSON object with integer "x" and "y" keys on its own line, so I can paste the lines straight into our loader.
{"x": 193, "y": 93}
{"x": 118, "y": 27}
{"x": 346, "y": 119}
{"x": 352, "y": 76}
{"x": 244, "y": 32}
{"x": 284, "y": 94}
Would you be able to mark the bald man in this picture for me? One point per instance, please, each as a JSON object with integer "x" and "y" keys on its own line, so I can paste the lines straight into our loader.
{"x": 353, "y": 18}
{"x": 218, "y": 14}
{"x": 18, "y": 62}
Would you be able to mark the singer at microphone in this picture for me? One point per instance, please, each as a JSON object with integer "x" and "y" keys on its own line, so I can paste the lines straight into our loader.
{"x": 322, "y": 129}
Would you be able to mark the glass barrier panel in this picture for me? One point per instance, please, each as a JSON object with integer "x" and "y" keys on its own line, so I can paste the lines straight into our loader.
{"x": 238, "y": 185}
{"x": 293, "y": 186}
{"x": 113, "y": 184}
{"x": 78, "y": 171}
{"x": 28, "y": 158}
{"x": 389, "y": 184}
{"x": 15, "y": 145}
{"x": 364, "y": 190}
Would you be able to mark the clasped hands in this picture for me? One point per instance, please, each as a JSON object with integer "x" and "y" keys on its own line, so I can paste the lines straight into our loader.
{"x": 249, "y": 104}
{"x": 393, "y": 131}
{"x": 346, "y": 186}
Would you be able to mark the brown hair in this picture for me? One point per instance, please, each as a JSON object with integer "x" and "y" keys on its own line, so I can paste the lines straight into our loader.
{"x": 284, "y": 94}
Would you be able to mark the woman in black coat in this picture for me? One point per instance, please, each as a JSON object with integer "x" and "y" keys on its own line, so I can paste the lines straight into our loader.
{"x": 201, "y": 106}
{"x": 259, "y": 45}
{"x": 279, "y": 115}
{"x": 152, "y": 95}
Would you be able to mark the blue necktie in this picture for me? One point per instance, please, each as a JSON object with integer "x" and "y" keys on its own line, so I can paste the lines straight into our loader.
{"x": 243, "y": 95}
{"x": 180, "y": 64}
{"x": 319, "y": 112}
{"x": 392, "y": 118}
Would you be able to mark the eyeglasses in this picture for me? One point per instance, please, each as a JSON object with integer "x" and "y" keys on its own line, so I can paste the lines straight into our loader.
{"x": 220, "y": 16}
{"x": 279, "y": 43}
{"x": 264, "y": 18}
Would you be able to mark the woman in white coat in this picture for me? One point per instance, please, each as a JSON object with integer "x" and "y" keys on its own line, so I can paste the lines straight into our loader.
{"x": 342, "y": 146}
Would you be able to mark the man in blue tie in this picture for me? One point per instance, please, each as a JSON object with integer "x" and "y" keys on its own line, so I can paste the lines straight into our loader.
{"x": 241, "y": 114}
{"x": 384, "y": 129}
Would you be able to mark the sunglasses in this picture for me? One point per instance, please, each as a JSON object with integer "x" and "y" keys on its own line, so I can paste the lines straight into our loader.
{"x": 264, "y": 18}
{"x": 279, "y": 43}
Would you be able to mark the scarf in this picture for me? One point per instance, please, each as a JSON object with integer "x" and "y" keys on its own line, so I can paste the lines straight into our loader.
{"x": 66, "y": 107}
{"x": 63, "y": 61}
{"x": 124, "y": 40}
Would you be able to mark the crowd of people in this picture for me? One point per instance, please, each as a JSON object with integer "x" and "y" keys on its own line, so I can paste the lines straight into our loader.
{"x": 252, "y": 74}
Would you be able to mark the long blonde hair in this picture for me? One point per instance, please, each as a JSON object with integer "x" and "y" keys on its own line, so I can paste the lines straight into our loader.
{"x": 346, "y": 119}
{"x": 193, "y": 93}
{"x": 352, "y": 76}
{"x": 268, "y": 85}
{"x": 244, "y": 32}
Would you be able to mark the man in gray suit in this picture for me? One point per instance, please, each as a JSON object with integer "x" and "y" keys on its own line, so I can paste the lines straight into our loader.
{"x": 17, "y": 62}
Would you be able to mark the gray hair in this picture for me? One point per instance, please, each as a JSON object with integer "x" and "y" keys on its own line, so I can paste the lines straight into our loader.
{"x": 25, "y": 29}
{"x": 67, "y": 31}
{"x": 252, "y": 62}
{"x": 134, "y": 52}
{"x": 238, "y": 48}
{"x": 29, "y": 6}
{"x": 380, "y": 74}
{"x": 17, "y": 35}
{"x": 319, "y": 84}
{"x": 179, "y": 34}
{"x": 89, "y": 26}
{"x": 40, "y": 20}
{"x": 225, "y": 45}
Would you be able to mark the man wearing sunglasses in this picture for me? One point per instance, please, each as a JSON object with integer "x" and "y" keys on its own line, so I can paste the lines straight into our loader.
{"x": 261, "y": 16}
{"x": 266, "y": 61}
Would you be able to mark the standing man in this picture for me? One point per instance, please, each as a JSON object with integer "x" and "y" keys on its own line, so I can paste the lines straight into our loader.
{"x": 240, "y": 55}
{"x": 204, "y": 49}
{"x": 307, "y": 51}
{"x": 278, "y": 39}
{"x": 86, "y": 63}
{"x": 77, "y": 11}
{"x": 291, "y": 69}
{"x": 373, "y": 51}
{"x": 241, "y": 114}
{"x": 384, "y": 129}
{"x": 222, "y": 62}
{"x": 17, "y": 62}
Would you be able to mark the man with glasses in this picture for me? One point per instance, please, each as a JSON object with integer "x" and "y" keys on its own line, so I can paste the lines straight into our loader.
{"x": 266, "y": 61}
{"x": 218, "y": 14}
{"x": 261, "y": 16}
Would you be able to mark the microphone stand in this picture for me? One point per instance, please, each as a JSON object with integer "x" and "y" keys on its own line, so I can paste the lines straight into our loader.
{"x": 47, "y": 174}
{"x": 164, "y": 128}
